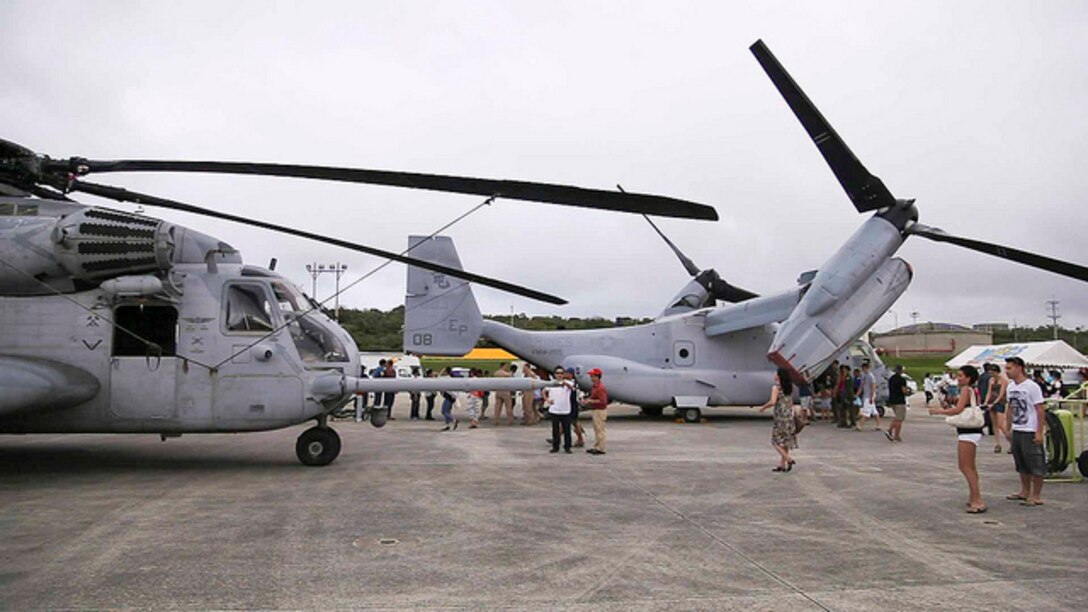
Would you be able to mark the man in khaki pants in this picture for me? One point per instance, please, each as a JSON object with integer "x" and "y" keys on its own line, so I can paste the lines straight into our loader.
{"x": 504, "y": 398}
{"x": 598, "y": 403}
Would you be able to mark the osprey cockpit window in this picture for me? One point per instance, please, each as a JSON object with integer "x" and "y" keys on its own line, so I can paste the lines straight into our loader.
{"x": 155, "y": 329}
{"x": 248, "y": 309}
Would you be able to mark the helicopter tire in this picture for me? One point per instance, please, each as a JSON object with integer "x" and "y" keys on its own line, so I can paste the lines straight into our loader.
{"x": 652, "y": 411}
{"x": 1082, "y": 464}
{"x": 318, "y": 446}
{"x": 692, "y": 415}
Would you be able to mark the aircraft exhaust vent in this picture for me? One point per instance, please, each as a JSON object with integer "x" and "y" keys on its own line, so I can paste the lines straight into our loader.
{"x": 95, "y": 244}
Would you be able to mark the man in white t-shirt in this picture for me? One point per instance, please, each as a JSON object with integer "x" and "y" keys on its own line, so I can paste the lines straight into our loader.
{"x": 1026, "y": 412}
{"x": 559, "y": 409}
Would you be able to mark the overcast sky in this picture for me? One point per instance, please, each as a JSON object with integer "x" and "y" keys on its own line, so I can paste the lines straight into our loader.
{"x": 977, "y": 109}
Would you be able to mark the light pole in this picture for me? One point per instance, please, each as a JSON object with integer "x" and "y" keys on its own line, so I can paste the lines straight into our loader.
{"x": 338, "y": 269}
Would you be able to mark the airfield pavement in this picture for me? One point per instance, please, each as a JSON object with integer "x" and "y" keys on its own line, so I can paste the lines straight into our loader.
{"x": 674, "y": 517}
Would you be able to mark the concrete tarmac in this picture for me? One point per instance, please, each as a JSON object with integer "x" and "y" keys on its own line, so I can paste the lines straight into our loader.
{"x": 673, "y": 517}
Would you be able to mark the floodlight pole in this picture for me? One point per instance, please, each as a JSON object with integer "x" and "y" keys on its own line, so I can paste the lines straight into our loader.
{"x": 338, "y": 269}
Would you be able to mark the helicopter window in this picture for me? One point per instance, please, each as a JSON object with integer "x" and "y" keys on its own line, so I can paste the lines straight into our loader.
{"x": 288, "y": 300}
{"x": 315, "y": 342}
{"x": 155, "y": 324}
{"x": 248, "y": 309}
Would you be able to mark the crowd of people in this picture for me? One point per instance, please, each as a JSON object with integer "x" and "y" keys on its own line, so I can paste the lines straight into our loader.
{"x": 562, "y": 404}
{"x": 1003, "y": 400}
{"x": 850, "y": 396}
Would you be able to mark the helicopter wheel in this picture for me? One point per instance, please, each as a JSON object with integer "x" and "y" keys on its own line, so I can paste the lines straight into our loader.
{"x": 318, "y": 446}
{"x": 692, "y": 415}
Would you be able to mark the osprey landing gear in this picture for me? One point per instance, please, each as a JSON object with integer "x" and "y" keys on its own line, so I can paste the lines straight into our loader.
{"x": 690, "y": 408}
{"x": 318, "y": 446}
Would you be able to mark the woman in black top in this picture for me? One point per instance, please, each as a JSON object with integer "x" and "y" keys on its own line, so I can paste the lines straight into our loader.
{"x": 969, "y": 438}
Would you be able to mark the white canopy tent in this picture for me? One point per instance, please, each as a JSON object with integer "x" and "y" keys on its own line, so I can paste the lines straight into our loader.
{"x": 1056, "y": 355}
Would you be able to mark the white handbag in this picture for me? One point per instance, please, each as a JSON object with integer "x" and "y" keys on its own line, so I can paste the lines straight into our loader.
{"x": 971, "y": 417}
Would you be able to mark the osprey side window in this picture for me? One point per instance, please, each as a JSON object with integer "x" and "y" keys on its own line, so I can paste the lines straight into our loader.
{"x": 140, "y": 328}
{"x": 248, "y": 309}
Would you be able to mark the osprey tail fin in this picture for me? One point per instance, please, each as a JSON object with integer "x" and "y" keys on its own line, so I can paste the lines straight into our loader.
{"x": 440, "y": 312}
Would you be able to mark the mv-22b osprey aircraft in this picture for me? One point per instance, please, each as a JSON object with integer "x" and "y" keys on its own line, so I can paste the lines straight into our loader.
{"x": 697, "y": 353}
{"x": 112, "y": 322}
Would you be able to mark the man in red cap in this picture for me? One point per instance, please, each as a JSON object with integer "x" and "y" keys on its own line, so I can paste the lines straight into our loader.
{"x": 598, "y": 403}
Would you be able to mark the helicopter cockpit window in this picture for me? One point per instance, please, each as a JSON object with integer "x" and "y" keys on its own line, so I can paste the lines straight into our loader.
{"x": 316, "y": 343}
{"x": 248, "y": 309}
{"x": 288, "y": 298}
{"x": 155, "y": 329}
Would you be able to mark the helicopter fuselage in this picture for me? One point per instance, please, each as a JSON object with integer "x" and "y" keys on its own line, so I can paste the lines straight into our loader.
{"x": 215, "y": 365}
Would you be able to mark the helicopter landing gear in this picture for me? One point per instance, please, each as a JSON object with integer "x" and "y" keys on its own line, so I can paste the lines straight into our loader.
{"x": 692, "y": 415}
{"x": 318, "y": 446}
{"x": 652, "y": 411}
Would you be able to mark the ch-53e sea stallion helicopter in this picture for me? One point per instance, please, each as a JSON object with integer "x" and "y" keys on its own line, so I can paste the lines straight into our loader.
{"x": 697, "y": 353}
{"x": 118, "y": 322}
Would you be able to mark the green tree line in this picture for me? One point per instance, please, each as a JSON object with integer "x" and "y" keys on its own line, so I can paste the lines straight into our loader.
{"x": 378, "y": 330}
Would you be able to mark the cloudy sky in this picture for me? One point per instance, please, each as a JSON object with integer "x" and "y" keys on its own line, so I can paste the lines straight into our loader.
{"x": 977, "y": 109}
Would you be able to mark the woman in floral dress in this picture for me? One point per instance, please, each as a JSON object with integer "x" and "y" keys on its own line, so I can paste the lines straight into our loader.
{"x": 783, "y": 435}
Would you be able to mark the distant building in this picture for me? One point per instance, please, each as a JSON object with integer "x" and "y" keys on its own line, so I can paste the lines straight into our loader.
{"x": 991, "y": 327}
{"x": 930, "y": 337}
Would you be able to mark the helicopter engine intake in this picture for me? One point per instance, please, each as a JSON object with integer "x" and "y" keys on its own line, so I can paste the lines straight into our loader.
{"x": 806, "y": 344}
{"x": 95, "y": 244}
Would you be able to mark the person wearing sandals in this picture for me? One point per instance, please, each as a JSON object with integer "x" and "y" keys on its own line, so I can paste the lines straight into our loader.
{"x": 969, "y": 438}
{"x": 1027, "y": 413}
{"x": 783, "y": 434}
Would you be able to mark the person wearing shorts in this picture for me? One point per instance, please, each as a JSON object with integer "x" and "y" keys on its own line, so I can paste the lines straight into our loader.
{"x": 897, "y": 401}
{"x": 968, "y": 438}
{"x": 1027, "y": 414}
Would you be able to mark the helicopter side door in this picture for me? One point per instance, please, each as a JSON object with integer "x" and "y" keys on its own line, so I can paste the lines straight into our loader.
{"x": 143, "y": 362}
{"x": 260, "y": 388}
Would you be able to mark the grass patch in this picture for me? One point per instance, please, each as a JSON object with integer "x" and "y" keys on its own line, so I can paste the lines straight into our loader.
{"x": 918, "y": 365}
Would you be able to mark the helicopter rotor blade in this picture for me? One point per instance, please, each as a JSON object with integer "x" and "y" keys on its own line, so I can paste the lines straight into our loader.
{"x": 715, "y": 284}
{"x": 866, "y": 191}
{"x": 514, "y": 190}
{"x": 1034, "y": 260}
{"x": 688, "y": 264}
{"x": 124, "y": 195}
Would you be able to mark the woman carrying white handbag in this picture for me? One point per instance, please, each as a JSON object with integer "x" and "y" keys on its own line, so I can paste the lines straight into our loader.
{"x": 967, "y": 418}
